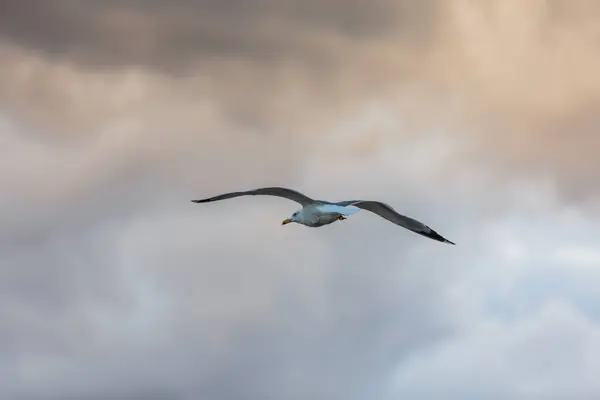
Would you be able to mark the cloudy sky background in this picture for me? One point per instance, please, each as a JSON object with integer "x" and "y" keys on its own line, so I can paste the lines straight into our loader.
{"x": 479, "y": 119}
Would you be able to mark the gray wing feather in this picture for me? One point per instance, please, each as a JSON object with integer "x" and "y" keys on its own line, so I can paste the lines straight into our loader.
{"x": 387, "y": 212}
{"x": 267, "y": 191}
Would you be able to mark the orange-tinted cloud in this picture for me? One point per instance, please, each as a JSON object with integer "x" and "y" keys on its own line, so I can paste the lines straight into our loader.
{"x": 521, "y": 78}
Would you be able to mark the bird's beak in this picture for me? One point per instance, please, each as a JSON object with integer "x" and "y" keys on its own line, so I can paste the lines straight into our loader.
{"x": 286, "y": 221}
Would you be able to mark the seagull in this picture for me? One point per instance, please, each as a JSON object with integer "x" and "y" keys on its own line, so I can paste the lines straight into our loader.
{"x": 317, "y": 213}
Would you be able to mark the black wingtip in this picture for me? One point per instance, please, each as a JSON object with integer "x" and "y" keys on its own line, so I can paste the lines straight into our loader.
{"x": 436, "y": 236}
{"x": 207, "y": 200}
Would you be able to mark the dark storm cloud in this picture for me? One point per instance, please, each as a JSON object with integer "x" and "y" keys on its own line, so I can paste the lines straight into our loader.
{"x": 179, "y": 34}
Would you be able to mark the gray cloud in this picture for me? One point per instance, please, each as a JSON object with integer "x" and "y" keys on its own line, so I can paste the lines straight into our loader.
{"x": 196, "y": 318}
{"x": 467, "y": 116}
{"x": 175, "y": 34}
{"x": 148, "y": 299}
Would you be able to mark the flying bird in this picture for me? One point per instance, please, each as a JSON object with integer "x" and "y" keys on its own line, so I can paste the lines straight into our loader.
{"x": 317, "y": 213}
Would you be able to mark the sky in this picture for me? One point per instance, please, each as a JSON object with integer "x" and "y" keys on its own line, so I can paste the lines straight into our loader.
{"x": 478, "y": 118}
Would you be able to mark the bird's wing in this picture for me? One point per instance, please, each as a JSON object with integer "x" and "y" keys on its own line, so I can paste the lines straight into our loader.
{"x": 267, "y": 191}
{"x": 336, "y": 209}
{"x": 387, "y": 212}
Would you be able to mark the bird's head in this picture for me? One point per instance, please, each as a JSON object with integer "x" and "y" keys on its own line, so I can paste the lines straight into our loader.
{"x": 294, "y": 218}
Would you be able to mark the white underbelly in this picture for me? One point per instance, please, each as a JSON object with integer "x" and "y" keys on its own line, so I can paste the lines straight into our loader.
{"x": 320, "y": 219}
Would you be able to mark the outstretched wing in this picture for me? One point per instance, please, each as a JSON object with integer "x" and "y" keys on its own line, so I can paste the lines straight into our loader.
{"x": 267, "y": 191}
{"x": 387, "y": 212}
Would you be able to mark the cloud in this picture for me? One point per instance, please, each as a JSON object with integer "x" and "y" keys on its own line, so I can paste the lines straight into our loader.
{"x": 154, "y": 294}
{"x": 478, "y": 119}
{"x": 533, "y": 332}
{"x": 549, "y": 354}
{"x": 172, "y": 34}
{"x": 520, "y": 79}
{"x": 147, "y": 298}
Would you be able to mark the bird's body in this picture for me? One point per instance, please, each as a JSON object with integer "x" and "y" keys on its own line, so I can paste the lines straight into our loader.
{"x": 317, "y": 213}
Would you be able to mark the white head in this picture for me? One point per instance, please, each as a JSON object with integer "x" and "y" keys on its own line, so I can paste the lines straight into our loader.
{"x": 296, "y": 217}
